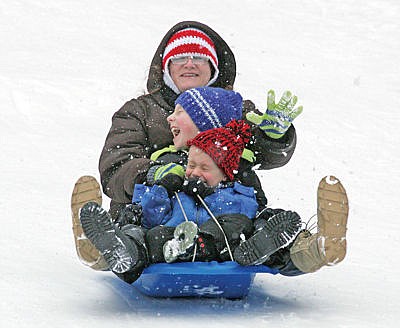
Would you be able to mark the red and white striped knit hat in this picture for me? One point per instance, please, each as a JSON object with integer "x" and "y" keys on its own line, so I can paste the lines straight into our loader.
{"x": 189, "y": 42}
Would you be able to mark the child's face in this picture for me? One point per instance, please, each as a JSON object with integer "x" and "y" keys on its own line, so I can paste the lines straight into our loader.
{"x": 202, "y": 166}
{"x": 182, "y": 127}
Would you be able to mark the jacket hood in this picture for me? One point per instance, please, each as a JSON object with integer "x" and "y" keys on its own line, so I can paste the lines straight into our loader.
{"x": 226, "y": 59}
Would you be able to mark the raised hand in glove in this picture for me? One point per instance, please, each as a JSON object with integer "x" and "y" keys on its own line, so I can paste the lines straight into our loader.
{"x": 194, "y": 186}
{"x": 278, "y": 117}
{"x": 170, "y": 176}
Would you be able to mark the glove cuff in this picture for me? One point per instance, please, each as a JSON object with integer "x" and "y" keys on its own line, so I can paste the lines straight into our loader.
{"x": 275, "y": 134}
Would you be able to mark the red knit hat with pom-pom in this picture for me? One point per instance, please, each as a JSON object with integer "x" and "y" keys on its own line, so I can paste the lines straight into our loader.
{"x": 224, "y": 145}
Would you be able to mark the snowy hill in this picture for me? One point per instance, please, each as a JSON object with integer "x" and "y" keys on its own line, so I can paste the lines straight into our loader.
{"x": 67, "y": 66}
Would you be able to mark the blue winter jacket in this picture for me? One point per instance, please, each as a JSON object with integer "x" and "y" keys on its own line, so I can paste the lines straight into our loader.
{"x": 159, "y": 209}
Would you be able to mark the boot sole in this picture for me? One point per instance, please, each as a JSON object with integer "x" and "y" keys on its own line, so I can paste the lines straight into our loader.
{"x": 278, "y": 232}
{"x": 333, "y": 203}
{"x": 86, "y": 189}
{"x": 117, "y": 250}
{"x": 333, "y": 211}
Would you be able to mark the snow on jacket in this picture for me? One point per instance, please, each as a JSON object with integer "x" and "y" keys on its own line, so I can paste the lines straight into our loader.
{"x": 159, "y": 209}
{"x": 140, "y": 127}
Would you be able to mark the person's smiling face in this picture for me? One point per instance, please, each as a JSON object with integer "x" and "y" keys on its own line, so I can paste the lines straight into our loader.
{"x": 190, "y": 75}
{"x": 182, "y": 127}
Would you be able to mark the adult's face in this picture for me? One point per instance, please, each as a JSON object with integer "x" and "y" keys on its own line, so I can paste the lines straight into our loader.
{"x": 190, "y": 75}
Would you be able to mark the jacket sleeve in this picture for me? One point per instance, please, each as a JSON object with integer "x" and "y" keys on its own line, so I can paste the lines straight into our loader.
{"x": 156, "y": 207}
{"x": 270, "y": 153}
{"x": 248, "y": 177}
{"x": 124, "y": 154}
{"x": 245, "y": 196}
{"x": 137, "y": 129}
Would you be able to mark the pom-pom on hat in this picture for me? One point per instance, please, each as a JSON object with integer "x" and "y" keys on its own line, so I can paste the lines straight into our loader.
{"x": 189, "y": 42}
{"x": 224, "y": 145}
{"x": 211, "y": 107}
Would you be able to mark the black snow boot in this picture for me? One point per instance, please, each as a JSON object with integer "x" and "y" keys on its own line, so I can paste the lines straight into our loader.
{"x": 124, "y": 250}
{"x": 276, "y": 233}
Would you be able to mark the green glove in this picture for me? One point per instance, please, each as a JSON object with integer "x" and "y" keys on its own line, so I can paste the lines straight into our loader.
{"x": 278, "y": 117}
{"x": 170, "y": 176}
{"x": 158, "y": 172}
{"x": 170, "y": 168}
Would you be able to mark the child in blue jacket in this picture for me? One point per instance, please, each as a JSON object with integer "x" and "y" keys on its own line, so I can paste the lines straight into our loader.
{"x": 205, "y": 152}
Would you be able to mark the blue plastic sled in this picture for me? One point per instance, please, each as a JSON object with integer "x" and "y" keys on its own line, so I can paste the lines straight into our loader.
{"x": 199, "y": 279}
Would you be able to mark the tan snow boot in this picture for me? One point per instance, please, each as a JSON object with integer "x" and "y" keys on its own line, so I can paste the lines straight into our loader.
{"x": 86, "y": 189}
{"x": 328, "y": 246}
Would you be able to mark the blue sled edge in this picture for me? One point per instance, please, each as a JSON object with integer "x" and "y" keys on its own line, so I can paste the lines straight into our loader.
{"x": 199, "y": 279}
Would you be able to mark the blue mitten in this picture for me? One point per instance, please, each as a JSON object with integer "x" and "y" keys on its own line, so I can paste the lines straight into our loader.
{"x": 278, "y": 117}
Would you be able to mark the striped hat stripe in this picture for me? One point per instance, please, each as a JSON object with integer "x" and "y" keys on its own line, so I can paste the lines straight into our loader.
{"x": 191, "y": 32}
{"x": 182, "y": 47}
{"x": 206, "y": 108}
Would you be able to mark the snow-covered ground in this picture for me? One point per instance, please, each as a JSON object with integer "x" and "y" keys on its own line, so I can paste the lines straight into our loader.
{"x": 67, "y": 65}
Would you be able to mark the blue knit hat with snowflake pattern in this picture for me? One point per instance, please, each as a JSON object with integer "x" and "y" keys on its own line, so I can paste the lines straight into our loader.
{"x": 210, "y": 107}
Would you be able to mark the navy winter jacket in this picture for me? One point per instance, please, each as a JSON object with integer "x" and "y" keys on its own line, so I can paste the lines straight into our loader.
{"x": 159, "y": 209}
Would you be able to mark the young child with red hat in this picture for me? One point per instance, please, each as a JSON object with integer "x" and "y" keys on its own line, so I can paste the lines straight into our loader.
{"x": 213, "y": 158}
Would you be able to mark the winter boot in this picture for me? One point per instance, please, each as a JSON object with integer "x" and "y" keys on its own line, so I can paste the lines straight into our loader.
{"x": 328, "y": 246}
{"x": 86, "y": 189}
{"x": 123, "y": 250}
{"x": 277, "y": 232}
{"x": 263, "y": 216}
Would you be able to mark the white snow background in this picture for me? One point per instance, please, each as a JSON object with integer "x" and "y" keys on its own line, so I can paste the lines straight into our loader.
{"x": 67, "y": 66}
